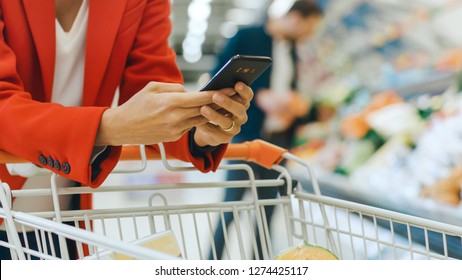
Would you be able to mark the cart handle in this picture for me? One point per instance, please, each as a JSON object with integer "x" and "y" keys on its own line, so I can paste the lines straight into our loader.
{"x": 258, "y": 151}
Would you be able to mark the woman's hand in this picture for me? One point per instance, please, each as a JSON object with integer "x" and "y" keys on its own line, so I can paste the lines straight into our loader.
{"x": 224, "y": 123}
{"x": 160, "y": 112}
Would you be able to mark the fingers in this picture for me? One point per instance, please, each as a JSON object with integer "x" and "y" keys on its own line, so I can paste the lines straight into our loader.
{"x": 236, "y": 109}
{"x": 189, "y": 100}
{"x": 229, "y": 112}
{"x": 194, "y": 121}
{"x": 198, "y": 99}
{"x": 226, "y": 115}
{"x": 165, "y": 87}
{"x": 239, "y": 99}
{"x": 245, "y": 92}
{"x": 186, "y": 113}
{"x": 195, "y": 99}
{"x": 224, "y": 121}
{"x": 219, "y": 114}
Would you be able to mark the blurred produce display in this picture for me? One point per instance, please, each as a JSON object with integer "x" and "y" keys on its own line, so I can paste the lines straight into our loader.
{"x": 387, "y": 94}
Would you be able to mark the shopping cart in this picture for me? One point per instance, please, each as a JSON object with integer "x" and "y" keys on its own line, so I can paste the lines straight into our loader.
{"x": 185, "y": 230}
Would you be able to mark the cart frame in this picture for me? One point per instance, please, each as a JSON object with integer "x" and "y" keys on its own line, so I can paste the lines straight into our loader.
{"x": 325, "y": 221}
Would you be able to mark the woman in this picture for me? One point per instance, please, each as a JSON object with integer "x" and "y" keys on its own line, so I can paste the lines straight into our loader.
{"x": 61, "y": 62}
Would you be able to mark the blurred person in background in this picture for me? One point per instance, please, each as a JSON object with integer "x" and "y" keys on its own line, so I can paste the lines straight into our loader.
{"x": 278, "y": 106}
{"x": 61, "y": 63}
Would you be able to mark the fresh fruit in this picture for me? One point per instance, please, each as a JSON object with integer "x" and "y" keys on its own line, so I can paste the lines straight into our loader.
{"x": 306, "y": 251}
{"x": 356, "y": 126}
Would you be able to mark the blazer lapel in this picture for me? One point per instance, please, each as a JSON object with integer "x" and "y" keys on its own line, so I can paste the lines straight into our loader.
{"x": 103, "y": 23}
{"x": 41, "y": 17}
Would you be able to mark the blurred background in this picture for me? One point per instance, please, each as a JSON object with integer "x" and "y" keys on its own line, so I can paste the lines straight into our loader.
{"x": 201, "y": 28}
{"x": 371, "y": 35}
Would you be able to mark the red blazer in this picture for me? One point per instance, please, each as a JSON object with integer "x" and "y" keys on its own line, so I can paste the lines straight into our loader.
{"x": 126, "y": 47}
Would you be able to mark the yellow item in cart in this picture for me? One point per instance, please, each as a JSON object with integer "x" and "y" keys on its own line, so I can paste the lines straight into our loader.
{"x": 306, "y": 251}
{"x": 163, "y": 242}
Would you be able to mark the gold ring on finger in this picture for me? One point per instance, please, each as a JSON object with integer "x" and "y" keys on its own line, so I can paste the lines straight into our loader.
{"x": 229, "y": 128}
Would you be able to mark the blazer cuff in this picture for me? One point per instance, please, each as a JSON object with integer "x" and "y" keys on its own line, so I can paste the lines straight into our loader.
{"x": 196, "y": 150}
{"x": 103, "y": 164}
{"x": 97, "y": 151}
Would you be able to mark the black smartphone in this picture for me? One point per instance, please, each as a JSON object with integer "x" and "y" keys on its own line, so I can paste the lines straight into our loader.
{"x": 240, "y": 68}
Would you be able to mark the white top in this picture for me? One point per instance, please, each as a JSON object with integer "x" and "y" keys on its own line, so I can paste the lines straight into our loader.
{"x": 70, "y": 60}
{"x": 68, "y": 91}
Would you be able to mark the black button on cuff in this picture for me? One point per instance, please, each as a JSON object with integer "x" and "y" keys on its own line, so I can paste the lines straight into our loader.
{"x": 66, "y": 168}
{"x": 42, "y": 159}
{"x": 57, "y": 165}
{"x": 50, "y": 162}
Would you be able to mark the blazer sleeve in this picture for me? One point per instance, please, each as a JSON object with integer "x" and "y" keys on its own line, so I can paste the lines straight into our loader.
{"x": 50, "y": 135}
{"x": 152, "y": 59}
